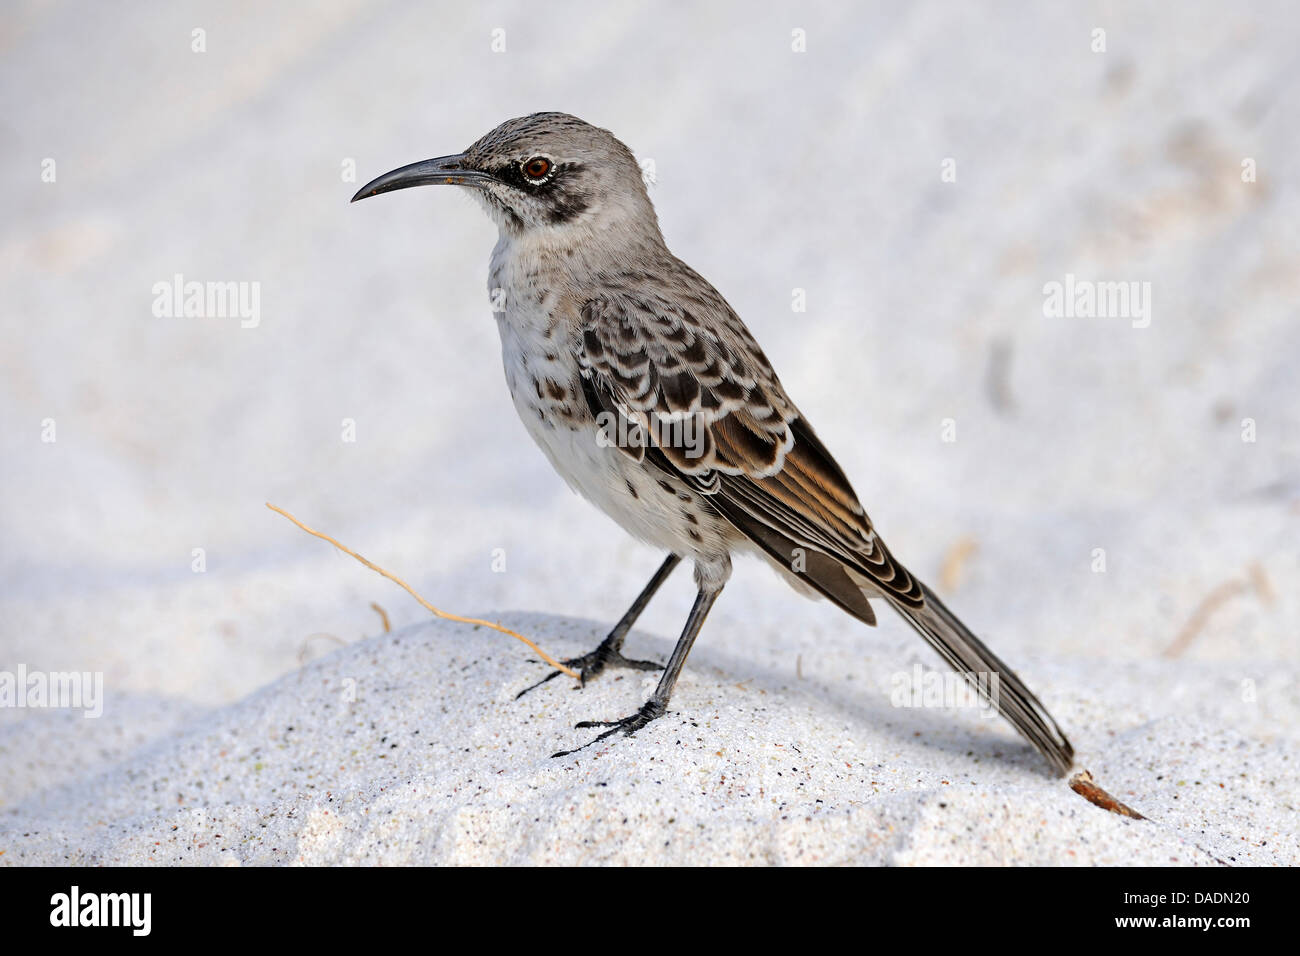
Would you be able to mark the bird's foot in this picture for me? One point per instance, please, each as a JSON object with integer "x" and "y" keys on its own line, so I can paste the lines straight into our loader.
{"x": 650, "y": 710}
{"x": 592, "y": 665}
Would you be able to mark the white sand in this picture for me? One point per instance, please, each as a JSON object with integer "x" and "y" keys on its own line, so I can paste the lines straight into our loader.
{"x": 776, "y": 171}
{"x": 409, "y": 748}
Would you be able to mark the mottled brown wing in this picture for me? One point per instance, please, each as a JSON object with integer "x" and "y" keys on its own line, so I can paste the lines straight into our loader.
{"x": 703, "y": 401}
{"x": 647, "y": 361}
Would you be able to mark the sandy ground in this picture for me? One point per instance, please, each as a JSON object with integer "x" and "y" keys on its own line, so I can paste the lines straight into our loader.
{"x": 254, "y": 710}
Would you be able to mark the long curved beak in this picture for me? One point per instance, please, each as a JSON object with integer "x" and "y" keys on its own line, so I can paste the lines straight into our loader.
{"x": 443, "y": 171}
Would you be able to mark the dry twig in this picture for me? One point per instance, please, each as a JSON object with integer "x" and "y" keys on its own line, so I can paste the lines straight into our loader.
{"x": 1257, "y": 580}
{"x": 1083, "y": 784}
{"x": 427, "y": 606}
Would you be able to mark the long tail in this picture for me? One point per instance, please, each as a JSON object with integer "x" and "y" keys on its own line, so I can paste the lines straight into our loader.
{"x": 968, "y": 655}
{"x": 942, "y": 630}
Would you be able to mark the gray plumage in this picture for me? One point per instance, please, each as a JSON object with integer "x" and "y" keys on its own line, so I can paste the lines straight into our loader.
{"x": 653, "y": 400}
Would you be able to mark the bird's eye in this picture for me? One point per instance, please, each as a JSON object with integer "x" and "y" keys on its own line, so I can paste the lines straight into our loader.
{"x": 537, "y": 168}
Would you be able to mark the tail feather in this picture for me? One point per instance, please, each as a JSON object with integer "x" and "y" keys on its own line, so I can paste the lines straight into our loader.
{"x": 968, "y": 655}
{"x": 848, "y": 588}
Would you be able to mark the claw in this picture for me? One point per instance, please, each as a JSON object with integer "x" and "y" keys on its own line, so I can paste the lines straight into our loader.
{"x": 650, "y": 710}
{"x": 590, "y": 666}
{"x": 551, "y": 676}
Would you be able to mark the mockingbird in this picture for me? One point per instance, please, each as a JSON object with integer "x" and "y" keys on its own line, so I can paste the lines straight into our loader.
{"x": 652, "y": 400}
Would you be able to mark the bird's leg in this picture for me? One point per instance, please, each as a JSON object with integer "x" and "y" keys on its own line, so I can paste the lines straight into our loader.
{"x": 657, "y": 705}
{"x": 609, "y": 653}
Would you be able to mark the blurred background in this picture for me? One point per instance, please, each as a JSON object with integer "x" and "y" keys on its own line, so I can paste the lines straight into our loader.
{"x": 919, "y": 171}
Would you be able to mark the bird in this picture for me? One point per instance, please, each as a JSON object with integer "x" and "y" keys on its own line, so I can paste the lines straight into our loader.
{"x": 653, "y": 400}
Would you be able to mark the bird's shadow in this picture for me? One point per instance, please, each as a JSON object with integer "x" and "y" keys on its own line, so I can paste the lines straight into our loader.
{"x": 858, "y": 701}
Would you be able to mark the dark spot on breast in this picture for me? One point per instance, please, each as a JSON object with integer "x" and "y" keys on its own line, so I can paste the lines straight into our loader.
{"x": 667, "y": 487}
{"x": 555, "y": 390}
{"x": 690, "y": 517}
{"x": 695, "y": 536}
{"x": 632, "y": 491}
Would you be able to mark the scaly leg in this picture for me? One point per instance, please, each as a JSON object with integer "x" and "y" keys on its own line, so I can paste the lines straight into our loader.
{"x": 609, "y": 653}
{"x": 658, "y": 702}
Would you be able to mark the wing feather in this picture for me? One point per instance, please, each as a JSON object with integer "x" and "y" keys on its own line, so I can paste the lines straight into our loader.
{"x": 701, "y": 402}
{"x": 707, "y": 399}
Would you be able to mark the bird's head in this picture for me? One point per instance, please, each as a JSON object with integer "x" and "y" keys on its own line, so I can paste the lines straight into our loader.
{"x": 545, "y": 171}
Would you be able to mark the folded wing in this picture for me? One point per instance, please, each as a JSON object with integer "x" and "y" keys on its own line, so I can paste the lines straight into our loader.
{"x": 700, "y": 401}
